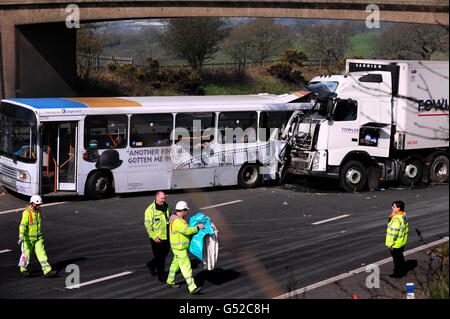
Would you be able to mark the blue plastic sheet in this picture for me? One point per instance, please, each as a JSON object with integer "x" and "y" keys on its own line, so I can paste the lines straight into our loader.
{"x": 196, "y": 245}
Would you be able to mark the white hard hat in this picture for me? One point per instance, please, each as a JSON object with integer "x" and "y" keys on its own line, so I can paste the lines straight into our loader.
{"x": 181, "y": 205}
{"x": 36, "y": 199}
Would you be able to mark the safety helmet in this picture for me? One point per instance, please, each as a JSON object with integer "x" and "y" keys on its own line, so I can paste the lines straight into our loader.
{"x": 36, "y": 199}
{"x": 181, "y": 205}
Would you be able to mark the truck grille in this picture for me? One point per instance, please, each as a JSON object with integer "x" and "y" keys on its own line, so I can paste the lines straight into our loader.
{"x": 300, "y": 165}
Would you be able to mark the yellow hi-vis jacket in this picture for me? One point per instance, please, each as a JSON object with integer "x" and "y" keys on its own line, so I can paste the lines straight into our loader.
{"x": 180, "y": 232}
{"x": 156, "y": 221}
{"x": 30, "y": 225}
{"x": 397, "y": 230}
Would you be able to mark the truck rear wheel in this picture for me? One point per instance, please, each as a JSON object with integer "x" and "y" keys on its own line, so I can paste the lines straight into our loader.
{"x": 411, "y": 172}
{"x": 439, "y": 169}
{"x": 248, "y": 176}
{"x": 353, "y": 176}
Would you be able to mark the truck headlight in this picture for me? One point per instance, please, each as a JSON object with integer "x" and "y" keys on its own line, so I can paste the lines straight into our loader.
{"x": 316, "y": 161}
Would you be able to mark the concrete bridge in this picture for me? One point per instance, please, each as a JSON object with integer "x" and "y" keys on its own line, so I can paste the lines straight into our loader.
{"x": 37, "y": 49}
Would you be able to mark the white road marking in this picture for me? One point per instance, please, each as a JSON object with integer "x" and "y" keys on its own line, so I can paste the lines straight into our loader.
{"x": 5, "y": 251}
{"x": 355, "y": 271}
{"x": 100, "y": 280}
{"x": 223, "y": 204}
{"x": 23, "y": 208}
{"x": 329, "y": 219}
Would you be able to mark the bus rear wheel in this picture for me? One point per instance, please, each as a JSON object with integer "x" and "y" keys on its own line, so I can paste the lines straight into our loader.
{"x": 99, "y": 185}
{"x": 248, "y": 176}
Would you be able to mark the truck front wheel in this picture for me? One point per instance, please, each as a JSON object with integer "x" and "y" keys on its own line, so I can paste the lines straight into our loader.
{"x": 353, "y": 176}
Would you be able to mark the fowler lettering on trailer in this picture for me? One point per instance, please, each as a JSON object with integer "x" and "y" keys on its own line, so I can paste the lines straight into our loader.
{"x": 428, "y": 105}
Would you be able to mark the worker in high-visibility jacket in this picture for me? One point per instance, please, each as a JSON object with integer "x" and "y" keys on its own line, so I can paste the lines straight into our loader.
{"x": 180, "y": 233}
{"x": 31, "y": 238}
{"x": 156, "y": 222}
{"x": 396, "y": 237}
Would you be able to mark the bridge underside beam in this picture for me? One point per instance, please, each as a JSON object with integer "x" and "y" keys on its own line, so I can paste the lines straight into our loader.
{"x": 110, "y": 10}
{"x": 20, "y": 45}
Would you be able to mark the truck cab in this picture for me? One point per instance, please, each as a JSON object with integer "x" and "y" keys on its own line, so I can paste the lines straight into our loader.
{"x": 353, "y": 135}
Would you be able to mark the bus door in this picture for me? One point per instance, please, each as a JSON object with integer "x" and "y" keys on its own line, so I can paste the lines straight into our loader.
{"x": 59, "y": 149}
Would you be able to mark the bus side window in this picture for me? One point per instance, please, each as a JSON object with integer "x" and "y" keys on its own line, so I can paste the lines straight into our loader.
{"x": 270, "y": 121}
{"x": 151, "y": 130}
{"x": 237, "y": 127}
{"x": 195, "y": 130}
{"x": 110, "y": 131}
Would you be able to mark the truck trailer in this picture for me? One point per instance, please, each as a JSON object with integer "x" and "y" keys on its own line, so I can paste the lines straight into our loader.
{"x": 383, "y": 120}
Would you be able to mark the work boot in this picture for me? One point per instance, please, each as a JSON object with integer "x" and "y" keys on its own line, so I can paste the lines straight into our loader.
{"x": 196, "y": 291}
{"x": 51, "y": 273}
{"x": 152, "y": 268}
{"x": 25, "y": 273}
{"x": 172, "y": 285}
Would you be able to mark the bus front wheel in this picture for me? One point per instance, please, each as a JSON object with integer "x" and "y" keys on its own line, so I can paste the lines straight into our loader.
{"x": 99, "y": 185}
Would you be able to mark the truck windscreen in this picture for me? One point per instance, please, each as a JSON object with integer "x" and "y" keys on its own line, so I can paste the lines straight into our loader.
{"x": 324, "y": 85}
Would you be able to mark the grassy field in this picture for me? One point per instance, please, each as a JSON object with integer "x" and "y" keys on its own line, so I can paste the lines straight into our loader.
{"x": 257, "y": 81}
{"x": 361, "y": 45}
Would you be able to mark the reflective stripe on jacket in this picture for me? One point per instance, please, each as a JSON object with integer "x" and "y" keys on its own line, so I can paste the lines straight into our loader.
{"x": 397, "y": 231}
{"x": 180, "y": 232}
{"x": 155, "y": 222}
{"x": 30, "y": 224}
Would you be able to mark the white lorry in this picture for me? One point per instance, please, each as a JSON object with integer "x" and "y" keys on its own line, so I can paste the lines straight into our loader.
{"x": 383, "y": 120}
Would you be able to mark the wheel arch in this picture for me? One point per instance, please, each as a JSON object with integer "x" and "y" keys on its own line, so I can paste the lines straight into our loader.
{"x": 360, "y": 156}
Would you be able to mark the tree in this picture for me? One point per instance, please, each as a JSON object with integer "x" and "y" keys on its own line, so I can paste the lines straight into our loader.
{"x": 194, "y": 39}
{"x": 268, "y": 38}
{"x": 328, "y": 41}
{"x": 238, "y": 45}
{"x": 412, "y": 41}
{"x": 256, "y": 40}
{"x": 89, "y": 45}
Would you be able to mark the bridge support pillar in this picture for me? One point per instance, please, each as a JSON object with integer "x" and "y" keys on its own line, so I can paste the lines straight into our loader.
{"x": 39, "y": 60}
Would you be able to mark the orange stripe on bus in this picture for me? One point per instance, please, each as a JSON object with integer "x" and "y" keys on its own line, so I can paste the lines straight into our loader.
{"x": 105, "y": 102}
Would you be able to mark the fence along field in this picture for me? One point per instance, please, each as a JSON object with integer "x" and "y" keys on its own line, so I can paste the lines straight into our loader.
{"x": 97, "y": 62}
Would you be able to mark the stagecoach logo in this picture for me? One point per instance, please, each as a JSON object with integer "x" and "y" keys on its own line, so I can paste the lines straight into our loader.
{"x": 64, "y": 111}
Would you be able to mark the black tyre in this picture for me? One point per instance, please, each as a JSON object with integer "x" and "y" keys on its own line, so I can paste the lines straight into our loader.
{"x": 353, "y": 176}
{"x": 439, "y": 169}
{"x": 99, "y": 185}
{"x": 248, "y": 176}
{"x": 411, "y": 172}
